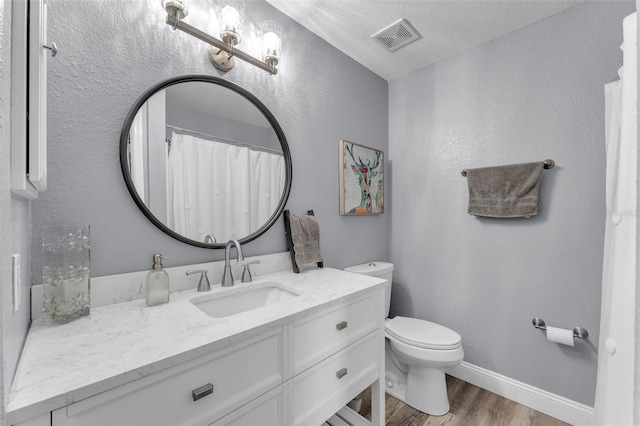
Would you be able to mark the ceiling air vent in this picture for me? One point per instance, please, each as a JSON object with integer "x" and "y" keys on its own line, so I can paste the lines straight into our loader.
{"x": 396, "y": 35}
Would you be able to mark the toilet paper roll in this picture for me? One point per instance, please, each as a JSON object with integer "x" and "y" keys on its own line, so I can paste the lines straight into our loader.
{"x": 560, "y": 335}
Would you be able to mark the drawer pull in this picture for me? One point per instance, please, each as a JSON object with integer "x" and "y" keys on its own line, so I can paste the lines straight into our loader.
{"x": 341, "y": 373}
{"x": 202, "y": 391}
{"x": 341, "y": 325}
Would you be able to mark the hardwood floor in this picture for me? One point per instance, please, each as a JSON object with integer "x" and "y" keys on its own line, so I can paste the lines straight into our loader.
{"x": 470, "y": 406}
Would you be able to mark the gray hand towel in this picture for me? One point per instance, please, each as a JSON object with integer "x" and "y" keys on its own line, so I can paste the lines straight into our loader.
{"x": 505, "y": 191}
{"x": 305, "y": 234}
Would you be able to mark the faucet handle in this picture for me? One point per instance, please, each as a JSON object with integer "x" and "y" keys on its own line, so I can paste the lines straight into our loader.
{"x": 203, "y": 284}
{"x": 246, "y": 272}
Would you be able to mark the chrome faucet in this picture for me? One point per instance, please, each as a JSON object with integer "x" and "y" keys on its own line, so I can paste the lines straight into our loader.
{"x": 227, "y": 277}
{"x": 246, "y": 272}
{"x": 210, "y": 238}
{"x": 203, "y": 284}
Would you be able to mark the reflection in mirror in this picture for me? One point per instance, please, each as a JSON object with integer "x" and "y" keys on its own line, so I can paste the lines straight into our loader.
{"x": 206, "y": 161}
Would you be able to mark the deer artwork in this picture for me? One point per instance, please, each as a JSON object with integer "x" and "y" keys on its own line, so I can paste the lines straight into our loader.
{"x": 365, "y": 173}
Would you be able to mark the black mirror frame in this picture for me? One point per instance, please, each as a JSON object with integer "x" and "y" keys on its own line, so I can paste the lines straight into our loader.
{"x": 124, "y": 137}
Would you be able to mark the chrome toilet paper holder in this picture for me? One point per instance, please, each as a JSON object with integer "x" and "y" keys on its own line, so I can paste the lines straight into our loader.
{"x": 579, "y": 332}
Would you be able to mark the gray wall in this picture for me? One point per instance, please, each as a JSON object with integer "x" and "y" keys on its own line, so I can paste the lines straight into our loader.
{"x": 15, "y": 228}
{"x": 112, "y": 51}
{"x": 533, "y": 94}
{"x": 225, "y": 128}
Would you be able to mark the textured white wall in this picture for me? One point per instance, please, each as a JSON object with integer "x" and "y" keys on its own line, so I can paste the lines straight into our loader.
{"x": 112, "y": 51}
{"x": 533, "y": 94}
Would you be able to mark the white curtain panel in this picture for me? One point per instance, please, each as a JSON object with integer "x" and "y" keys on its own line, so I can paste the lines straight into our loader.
{"x": 217, "y": 188}
{"x": 137, "y": 142}
{"x": 267, "y": 181}
{"x": 615, "y": 398}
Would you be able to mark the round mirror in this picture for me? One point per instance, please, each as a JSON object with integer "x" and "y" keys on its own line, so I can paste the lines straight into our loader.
{"x": 205, "y": 161}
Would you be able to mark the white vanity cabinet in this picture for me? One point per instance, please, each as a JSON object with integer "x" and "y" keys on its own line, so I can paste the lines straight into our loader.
{"x": 336, "y": 353}
{"x": 228, "y": 378}
{"x": 300, "y": 371}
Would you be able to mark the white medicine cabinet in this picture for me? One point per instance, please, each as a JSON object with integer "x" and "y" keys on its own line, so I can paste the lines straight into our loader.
{"x": 29, "y": 54}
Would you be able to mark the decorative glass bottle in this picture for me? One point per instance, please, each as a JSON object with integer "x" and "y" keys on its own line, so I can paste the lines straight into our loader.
{"x": 65, "y": 273}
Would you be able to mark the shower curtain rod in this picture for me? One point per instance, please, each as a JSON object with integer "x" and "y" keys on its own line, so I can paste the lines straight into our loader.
{"x": 219, "y": 139}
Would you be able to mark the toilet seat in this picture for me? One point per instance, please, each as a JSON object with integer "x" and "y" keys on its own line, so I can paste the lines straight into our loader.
{"x": 423, "y": 334}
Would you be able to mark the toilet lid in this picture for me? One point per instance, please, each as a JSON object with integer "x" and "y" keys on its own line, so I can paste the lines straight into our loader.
{"x": 423, "y": 334}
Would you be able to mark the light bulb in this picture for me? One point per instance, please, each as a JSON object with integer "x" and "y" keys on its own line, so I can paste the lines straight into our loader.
{"x": 271, "y": 42}
{"x": 230, "y": 19}
{"x": 230, "y": 16}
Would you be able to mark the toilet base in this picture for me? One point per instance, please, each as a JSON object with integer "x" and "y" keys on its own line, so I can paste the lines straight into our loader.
{"x": 423, "y": 388}
{"x": 427, "y": 391}
{"x": 394, "y": 384}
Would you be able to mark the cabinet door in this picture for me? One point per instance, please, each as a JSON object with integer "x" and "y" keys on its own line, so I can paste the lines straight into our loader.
{"x": 29, "y": 98}
{"x": 38, "y": 94}
{"x": 325, "y": 388}
{"x": 235, "y": 375}
{"x": 267, "y": 410}
{"x": 43, "y": 420}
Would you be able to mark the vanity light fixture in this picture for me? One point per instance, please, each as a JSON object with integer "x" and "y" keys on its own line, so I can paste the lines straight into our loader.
{"x": 223, "y": 52}
{"x": 231, "y": 14}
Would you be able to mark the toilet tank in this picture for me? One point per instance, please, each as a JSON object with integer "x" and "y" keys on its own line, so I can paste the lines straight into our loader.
{"x": 377, "y": 269}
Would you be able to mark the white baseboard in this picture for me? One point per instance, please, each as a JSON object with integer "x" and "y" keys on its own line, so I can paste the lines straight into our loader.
{"x": 540, "y": 400}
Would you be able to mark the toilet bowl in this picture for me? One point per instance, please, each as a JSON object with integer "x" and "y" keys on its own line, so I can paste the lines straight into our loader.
{"x": 427, "y": 350}
{"x": 417, "y": 353}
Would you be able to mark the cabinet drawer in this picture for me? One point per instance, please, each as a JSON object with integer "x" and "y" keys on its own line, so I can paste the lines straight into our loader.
{"x": 320, "y": 335}
{"x": 324, "y": 389}
{"x": 238, "y": 374}
{"x": 267, "y": 410}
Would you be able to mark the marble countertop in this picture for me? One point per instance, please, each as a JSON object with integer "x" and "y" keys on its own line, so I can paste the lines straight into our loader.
{"x": 116, "y": 344}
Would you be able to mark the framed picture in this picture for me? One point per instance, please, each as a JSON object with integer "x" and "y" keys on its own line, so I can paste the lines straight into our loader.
{"x": 361, "y": 179}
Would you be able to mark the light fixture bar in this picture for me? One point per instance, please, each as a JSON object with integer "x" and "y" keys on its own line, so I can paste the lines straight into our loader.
{"x": 200, "y": 35}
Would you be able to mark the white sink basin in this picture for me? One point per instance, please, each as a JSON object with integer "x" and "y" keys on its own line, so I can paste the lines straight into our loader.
{"x": 240, "y": 300}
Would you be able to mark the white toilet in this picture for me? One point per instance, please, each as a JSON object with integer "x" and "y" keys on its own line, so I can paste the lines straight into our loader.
{"x": 417, "y": 355}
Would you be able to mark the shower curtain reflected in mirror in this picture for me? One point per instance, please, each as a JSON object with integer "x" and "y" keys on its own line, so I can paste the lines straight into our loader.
{"x": 137, "y": 143}
{"x": 246, "y": 185}
{"x": 616, "y": 355}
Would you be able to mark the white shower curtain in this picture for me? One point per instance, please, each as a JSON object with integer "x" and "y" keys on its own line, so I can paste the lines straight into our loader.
{"x": 616, "y": 353}
{"x": 217, "y": 188}
{"x": 137, "y": 142}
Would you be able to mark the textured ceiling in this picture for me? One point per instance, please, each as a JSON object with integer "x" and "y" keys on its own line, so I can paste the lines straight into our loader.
{"x": 447, "y": 27}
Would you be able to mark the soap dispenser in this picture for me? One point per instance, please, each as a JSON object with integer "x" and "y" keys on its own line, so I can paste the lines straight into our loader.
{"x": 157, "y": 283}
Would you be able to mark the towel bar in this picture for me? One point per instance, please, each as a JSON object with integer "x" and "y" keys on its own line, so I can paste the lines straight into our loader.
{"x": 548, "y": 164}
{"x": 579, "y": 332}
{"x": 290, "y": 245}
